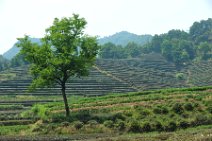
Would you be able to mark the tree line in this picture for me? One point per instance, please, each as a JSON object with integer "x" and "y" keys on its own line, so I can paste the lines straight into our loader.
{"x": 16, "y": 61}
{"x": 176, "y": 46}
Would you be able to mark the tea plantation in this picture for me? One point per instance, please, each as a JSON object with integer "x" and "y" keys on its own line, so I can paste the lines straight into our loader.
{"x": 128, "y": 99}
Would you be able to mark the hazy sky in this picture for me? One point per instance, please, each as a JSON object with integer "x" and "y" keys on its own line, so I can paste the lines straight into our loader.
{"x": 104, "y": 17}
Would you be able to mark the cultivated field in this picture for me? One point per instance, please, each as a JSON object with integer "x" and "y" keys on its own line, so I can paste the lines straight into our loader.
{"x": 111, "y": 104}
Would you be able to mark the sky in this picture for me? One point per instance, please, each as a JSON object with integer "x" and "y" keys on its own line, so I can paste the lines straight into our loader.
{"x": 104, "y": 17}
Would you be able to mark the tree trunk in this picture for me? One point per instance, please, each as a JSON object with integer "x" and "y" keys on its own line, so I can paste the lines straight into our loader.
{"x": 65, "y": 100}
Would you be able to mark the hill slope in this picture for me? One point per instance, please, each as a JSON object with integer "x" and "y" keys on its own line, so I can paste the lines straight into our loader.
{"x": 14, "y": 50}
{"x": 118, "y": 76}
{"x": 124, "y": 37}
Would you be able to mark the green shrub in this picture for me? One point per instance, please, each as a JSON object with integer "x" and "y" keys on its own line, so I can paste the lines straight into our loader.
{"x": 57, "y": 118}
{"x": 134, "y": 126}
{"x": 188, "y": 107}
{"x": 83, "y": 116}
{"x": 120, "y": 125}
{"x": 177, "y": 108}
{"x": 37, "y": 112}
{"x": 144, "y": 112}
{"x": 146, "y": 127}
{"x": 159, "y": 126}
{"x": 78, "y": 124}
{"x": 180, "y": 76}
{"x": 118, "y": 116}
{"x": 209, "y": 109}
{"x": 92, "y": 123}
{"x": 160, "y": 110}
{"x": 172, "y": 126}
{"x": 108, "y": 123}
{"x": 183, "y": 124}
{"x": 65, "y": 124}
{"x": 201, "y": 120}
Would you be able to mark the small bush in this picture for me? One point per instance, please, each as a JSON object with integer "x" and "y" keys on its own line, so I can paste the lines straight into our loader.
{"x": 209, "y": 109}
{"x": 83, "y": 116}
{"x": 118, "y": 116}
{"x": 56, "y": 118}
{"x": 78, "y": 124}
{"x": 108, "y": 123}
{"x": 172, "y": 126}
{"x": 177, "y": 108}
{"x": 65, "y": 124}
{"x": 183, "y": 124}
{"x": 201, "y": 120}
{"x": 180, "y": 76}
{"x": 146, "y": 127}
{"x": 159, "y": 126}
{"x": 144, "y": 112}
{"x": 40, "y": 111}
{"x": 135, "y": 127}
{"x": 160, "y": 110}
{"x": 92, "y": 123}
{"x": 188, "y": 107}
{"x": 120, "y": 125}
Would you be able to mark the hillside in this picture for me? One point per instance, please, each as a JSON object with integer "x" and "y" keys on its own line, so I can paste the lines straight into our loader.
{"x": 121, "y": 38}
{"x": 124, "y": 37}
{"x": 117, "y": 76}
{"x": 14, "y": 50}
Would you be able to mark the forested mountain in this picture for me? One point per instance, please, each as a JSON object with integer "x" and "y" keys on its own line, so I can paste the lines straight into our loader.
{"x": 121, "y": 38}
{"x": 176, "y": 46}
{"x": 14, "y": 50}
{"x": 124, "y": 37}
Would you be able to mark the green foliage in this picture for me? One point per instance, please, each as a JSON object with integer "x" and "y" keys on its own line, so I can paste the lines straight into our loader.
{"x": 123, "y": 38}
{"x": 4, "y": 63}
{"x": 184, "y": 124}
{"x": 172, "y": 126}
{"x": 108, "y": 123}
{"x": 209, "y": 109}
{"x": 120, "y": 125}
{"x": 188, "y": 106}
{"x": 37, "y": 112}
{"x": 134, "y": 126}
{"x": 178, "y": 108}
{"x": 78, "y": 124}
{"x": 17, "y": 61}
{"x": 160, "y": 110}
{"x": 146, "y": 127}
{"x": 180, "y": 76}
{"x": 64, "y": 52}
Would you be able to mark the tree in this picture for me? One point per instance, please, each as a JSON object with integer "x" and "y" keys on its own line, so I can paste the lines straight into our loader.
{"x": 4, "y": 63}
{"x": 204, "y": 51}
{"x": 201, "y": 31}
{"x": 65, "y": 52}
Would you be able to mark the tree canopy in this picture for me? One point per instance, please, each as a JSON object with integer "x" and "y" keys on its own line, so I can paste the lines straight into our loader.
{"x": 176, "y": 46}
{"x": 65, "y": 52}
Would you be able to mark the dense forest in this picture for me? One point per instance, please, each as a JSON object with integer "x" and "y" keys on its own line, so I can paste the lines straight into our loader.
{"x": 176, "y": 46}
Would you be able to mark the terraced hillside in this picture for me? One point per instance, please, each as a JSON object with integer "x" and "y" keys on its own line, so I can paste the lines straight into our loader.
{"x": 116, "y": 76}
{"x": 147, "y": 73}
{"x": 96, "y": 83}
{"x": 200, "y": 73}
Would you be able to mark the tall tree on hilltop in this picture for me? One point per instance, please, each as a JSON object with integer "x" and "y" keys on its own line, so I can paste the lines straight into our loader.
{"x": 65, "y": 52}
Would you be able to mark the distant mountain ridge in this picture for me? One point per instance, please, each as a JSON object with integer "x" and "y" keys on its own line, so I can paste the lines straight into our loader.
{"x": 124, "y": 37}
{"x": 15, "y": 50}
{"x": 120, "y": 38}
